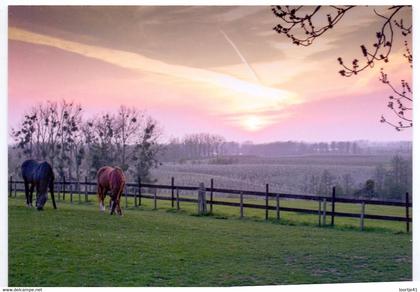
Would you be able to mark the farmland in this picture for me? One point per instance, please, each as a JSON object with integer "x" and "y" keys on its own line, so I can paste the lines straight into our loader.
{"x": 284, "y": 174}
{"x": 165, "y": 247}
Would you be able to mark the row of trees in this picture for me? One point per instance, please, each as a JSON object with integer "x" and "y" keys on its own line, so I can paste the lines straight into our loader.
{"x": 391, "y": 182}
{"x": 395, "y": 181}
{"x": 58, "y": 133}
{"x": 292, "y": 147}
{"x": 193, "y": 146}
{"x": 203, "y": 145}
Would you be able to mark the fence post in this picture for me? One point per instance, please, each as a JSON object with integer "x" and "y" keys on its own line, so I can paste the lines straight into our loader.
{"x": 362, "y": 217}
{"x": 15, "y": 183}
{"x": 201, "y": 200}
{"x": 155, "y": 199}
{"x": 71, "y": 192}
{"x": 333, "y": 206}
{"x": 211, "y": 195}
{"x": 135, "y": 197}
{"x": 278, "y": 206}
{"x": 172, "y": 191}
{"x": 319, "y": 211}
{"x": 78, "y": 190}
{"x": 407, "y": 213}
{"x": 266, "y": 201}
{"x": 64, "y": 188}
{"x": 177, "y": 198}
{"x": 139, "y": 191}
{"x": 57, "y": 189}
{"x": 324, "y": 211}
{"x": 86, "y": 189}
{"x": 241, "y": 204}
{"x": 10, "y": 185}
{"x": 125, "y": 196}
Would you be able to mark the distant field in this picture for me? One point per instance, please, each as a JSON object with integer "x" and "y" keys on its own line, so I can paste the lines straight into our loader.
{"x": 284, "y": 174}
{"x": 77, "y": 245}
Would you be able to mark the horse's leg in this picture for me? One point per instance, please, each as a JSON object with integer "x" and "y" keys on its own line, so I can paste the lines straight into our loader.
{"x": 38, "y": 191}
{"x": 112, "y": 204}
{"x": 26, "y": 192}
{"x": 119, "y": 200}
{"x": 101, "y": 198}
{"x": 118, "y": 206}
{"x": 104, "y": 192}
{"x": 115, "y": 201}
{"x": 31, "y": 192}
{"x": 111, "y": 200}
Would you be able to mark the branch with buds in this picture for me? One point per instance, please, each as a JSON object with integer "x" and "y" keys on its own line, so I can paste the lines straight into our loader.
{"x": 295, "y": 22}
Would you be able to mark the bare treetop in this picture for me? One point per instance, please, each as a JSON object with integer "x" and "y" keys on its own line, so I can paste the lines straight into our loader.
{"x": 299, "y": 26}
{"x": 303, "y": 24}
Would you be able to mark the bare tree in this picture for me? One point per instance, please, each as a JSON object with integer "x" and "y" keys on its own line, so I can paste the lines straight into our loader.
{"x": 145, "y": 151}
{"x": 47, "y": 132}
{"x": 77, "y": 147}
{"x": 69, "y": 122}
{"x": 24, "y": 135}
{"x": 303, "y": 24}
{"x": 128, "y": 122}
{"x": 56, "y": 132}
{"x": 98, "y": 137}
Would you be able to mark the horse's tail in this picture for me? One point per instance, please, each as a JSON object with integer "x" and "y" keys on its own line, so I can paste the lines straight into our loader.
{"x": 121, "y": 178}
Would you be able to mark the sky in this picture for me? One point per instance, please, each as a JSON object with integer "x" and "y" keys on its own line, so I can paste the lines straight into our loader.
{"x": 215, "y": 69}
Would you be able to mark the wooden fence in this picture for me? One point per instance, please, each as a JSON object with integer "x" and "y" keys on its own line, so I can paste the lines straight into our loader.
{"x": 136, "y": 191}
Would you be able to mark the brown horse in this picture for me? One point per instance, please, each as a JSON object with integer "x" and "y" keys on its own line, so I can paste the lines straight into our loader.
{"x": 110, "y": 179}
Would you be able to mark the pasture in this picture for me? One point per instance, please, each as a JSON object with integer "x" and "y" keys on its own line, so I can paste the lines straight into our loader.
{"x": 78, "y": 246}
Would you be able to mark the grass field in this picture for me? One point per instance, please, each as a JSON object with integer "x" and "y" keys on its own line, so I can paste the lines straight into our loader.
{"x": 77, "y": 245}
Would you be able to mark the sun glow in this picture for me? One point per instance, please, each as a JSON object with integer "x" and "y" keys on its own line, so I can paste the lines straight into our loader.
{"x": 253, "y": 123}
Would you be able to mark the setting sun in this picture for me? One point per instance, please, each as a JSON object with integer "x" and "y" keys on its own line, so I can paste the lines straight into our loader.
{"x": 253, "y": 123}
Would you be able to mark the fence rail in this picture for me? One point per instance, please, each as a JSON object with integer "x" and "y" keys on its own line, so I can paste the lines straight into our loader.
{"x": 85, "y": 187}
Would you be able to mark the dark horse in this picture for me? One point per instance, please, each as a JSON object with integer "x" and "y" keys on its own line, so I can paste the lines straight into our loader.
{"x": 110, "y": 179}
{"x": 39, "y": 175}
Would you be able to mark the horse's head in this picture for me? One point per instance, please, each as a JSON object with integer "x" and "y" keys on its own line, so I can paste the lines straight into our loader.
{"x": 42, "y": 194}
{"x": 41, "y": 200}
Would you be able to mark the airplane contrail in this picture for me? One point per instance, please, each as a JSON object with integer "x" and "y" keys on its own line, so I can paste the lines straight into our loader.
{"x": 241, "y": 56}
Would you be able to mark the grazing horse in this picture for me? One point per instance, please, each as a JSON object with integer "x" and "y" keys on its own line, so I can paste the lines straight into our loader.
{"x": 110, "y": 179}
{"x": 38, "y": 175}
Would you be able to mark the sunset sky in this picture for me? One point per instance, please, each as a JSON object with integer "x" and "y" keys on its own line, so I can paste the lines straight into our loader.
{"x": 216, "y": 69}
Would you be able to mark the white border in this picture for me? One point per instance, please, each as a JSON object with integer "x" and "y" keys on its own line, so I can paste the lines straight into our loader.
{"x": 328, "y": 287}
{"x": 3, "y": 146}
{"x": 416, "y": 149}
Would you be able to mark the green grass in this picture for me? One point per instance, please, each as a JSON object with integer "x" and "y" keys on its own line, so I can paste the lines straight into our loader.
{"x": 77, "y": 245}
{"x": 290, "y": 218}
